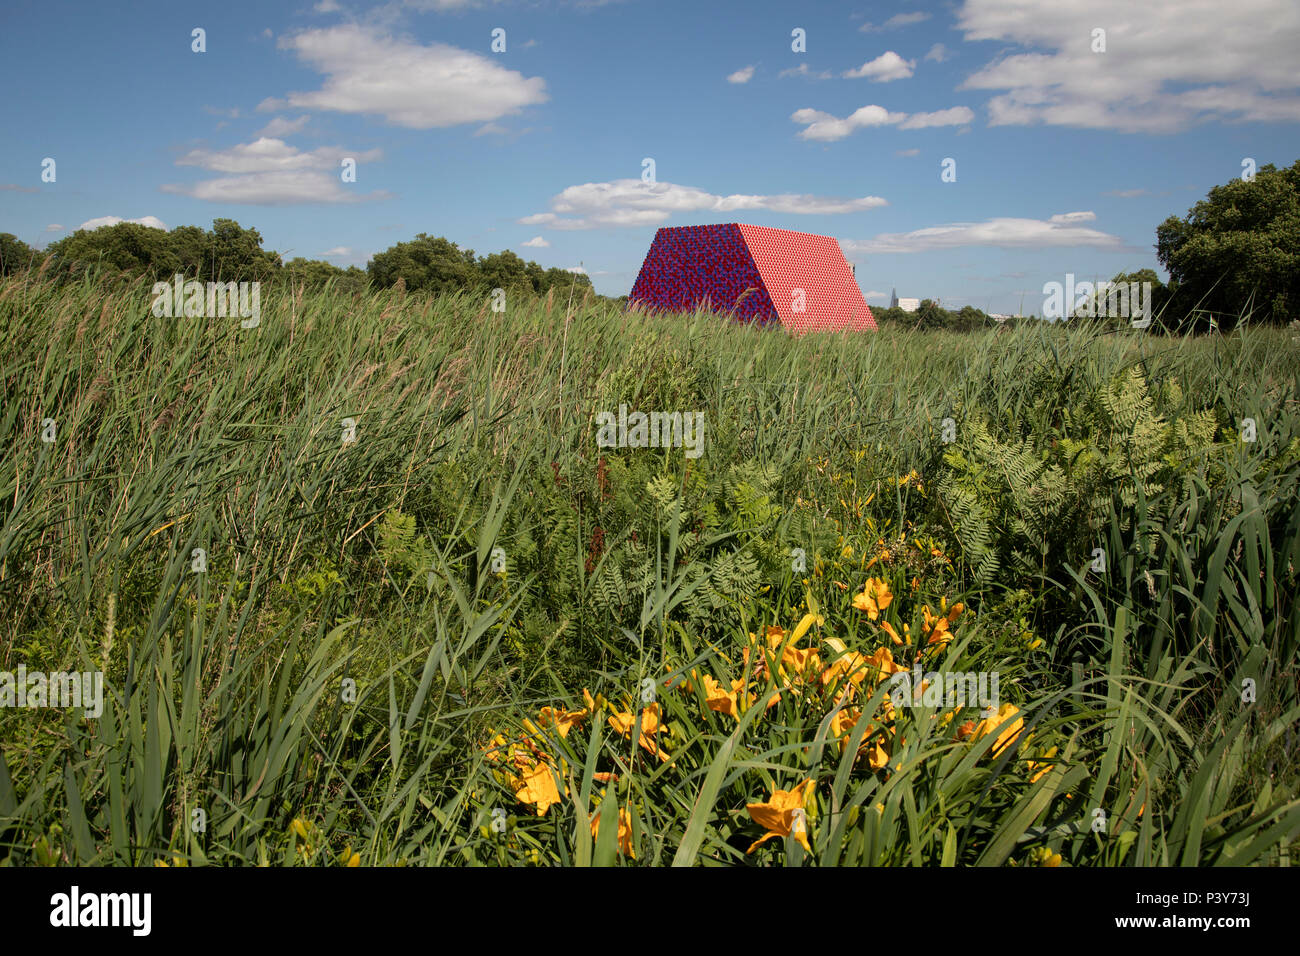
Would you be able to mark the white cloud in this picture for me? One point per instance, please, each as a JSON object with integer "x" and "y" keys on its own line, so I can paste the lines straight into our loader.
{"x": 153, "y": 222}
{"x": 327, "y": 6}
{"x": 743, "y": 75}
{"x": 954, "y": 116}
{"x": 826, "y": 128}
{"x": 939, "y": 53}
{"x": 873, "y": 294}
{"x": 1125, "y": 193}
{"x": 1168, "y": 63}
{"x": 270, "y": 172}
{"x": 274, "y": 189}
{"x": 420, "y": 87}
{"x": 802, "y": 70}
{"x": 896, "y": 21}
{"x": 1068, "y": 217}
{"x": 54, "y": 227}
{"x": 907, "y": 152}
{"x": 537, "y": 242}
{"x": 631, "y": 202}
{"x": 267, "y": 154}
{"x": 1059, "y": 230}
{"x": 279, "y": 126}
{"x": 337, "y": 251}
{"x": 884, "y": 68}
{"x": 491, "y": 129}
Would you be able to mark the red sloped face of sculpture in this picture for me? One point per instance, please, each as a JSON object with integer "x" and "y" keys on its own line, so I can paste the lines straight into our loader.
{"x": 754, "y": 274}
{"x": 809, "y": 281}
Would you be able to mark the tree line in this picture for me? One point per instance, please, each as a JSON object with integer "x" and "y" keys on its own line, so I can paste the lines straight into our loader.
{"x": 229, "y": 252}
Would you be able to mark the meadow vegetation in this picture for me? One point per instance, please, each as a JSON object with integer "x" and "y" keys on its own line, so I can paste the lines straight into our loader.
{"x": 472, "y": 637}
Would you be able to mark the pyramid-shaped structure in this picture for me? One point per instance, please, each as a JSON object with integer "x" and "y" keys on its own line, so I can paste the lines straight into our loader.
{"x": 755, "y": 274}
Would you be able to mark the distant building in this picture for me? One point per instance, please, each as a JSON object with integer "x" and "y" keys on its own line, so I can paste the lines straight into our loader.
{"x": 907, "y": 305}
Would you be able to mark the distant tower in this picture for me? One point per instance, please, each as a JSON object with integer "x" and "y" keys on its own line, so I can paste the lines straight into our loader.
{"x": 893, "y": 298}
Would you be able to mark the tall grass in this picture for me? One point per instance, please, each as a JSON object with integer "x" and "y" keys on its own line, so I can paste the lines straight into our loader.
{"x": 368, "y": 566}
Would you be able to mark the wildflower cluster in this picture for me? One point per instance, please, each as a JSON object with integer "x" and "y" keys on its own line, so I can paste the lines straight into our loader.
{"x": 817, "y": 678}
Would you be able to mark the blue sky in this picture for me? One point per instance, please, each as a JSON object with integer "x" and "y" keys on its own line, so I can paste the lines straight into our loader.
{"x": 1066, "y": 157}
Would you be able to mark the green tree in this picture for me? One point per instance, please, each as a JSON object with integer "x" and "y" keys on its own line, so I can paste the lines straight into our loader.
{"x": 1237, "y": 252}
{"x": 969, "y": 319}
{"x": 562, "y": 280}
{"x": 891, "y": 315}
{"x": 126, "y": 247}
{"x": 1159, "y": 294}
{"x": 930, "y": 316}
{"x": 315, "y": 274}
{"x": 428, "y": 263}
{"x": 234, "y": 253}
{"x": 16, "y": 255}
{"x": 505, "y": 270}
{"x": 227, "y": 253}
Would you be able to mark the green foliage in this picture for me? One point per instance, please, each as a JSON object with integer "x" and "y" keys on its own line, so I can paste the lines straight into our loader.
{"x": 436, "y": 265}
{"x": 428, "y": 263}
{"x": 1237, "y": 252}
{"x": 316, "y": 275}
{"x": 226, "y": 253}
{"x": 334, "y": 679}
{"x": 655, "y": 376}
{"x": 1032, "y": 497}
{"x": 229, "y": 252}
{"x": 16, "y": 255}
{"x": 400, "y": 550}
{"x": 930, "y": 315}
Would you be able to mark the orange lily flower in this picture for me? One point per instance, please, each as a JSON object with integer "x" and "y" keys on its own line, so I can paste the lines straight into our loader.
{"x": 1009, "y": 734}
{"x": 1034, "y": 768}
{"x": 624, "y": 831}
{"x": 875, "y": 597}
{"x": 562, "y": 720}
{"x": 852, "y": 667}
{"x": 797, "y": 660}
{"x": 783, "y": 815}
{"x": 536, "y": 785}
{"x": 893, "y": 634}
{"x": 722, "y": 701}
{"x": 882, "y": 664}
{"x": 936, "y": 626}
{"x": 625, "y": 721}
{"x": 873, "y": 742}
